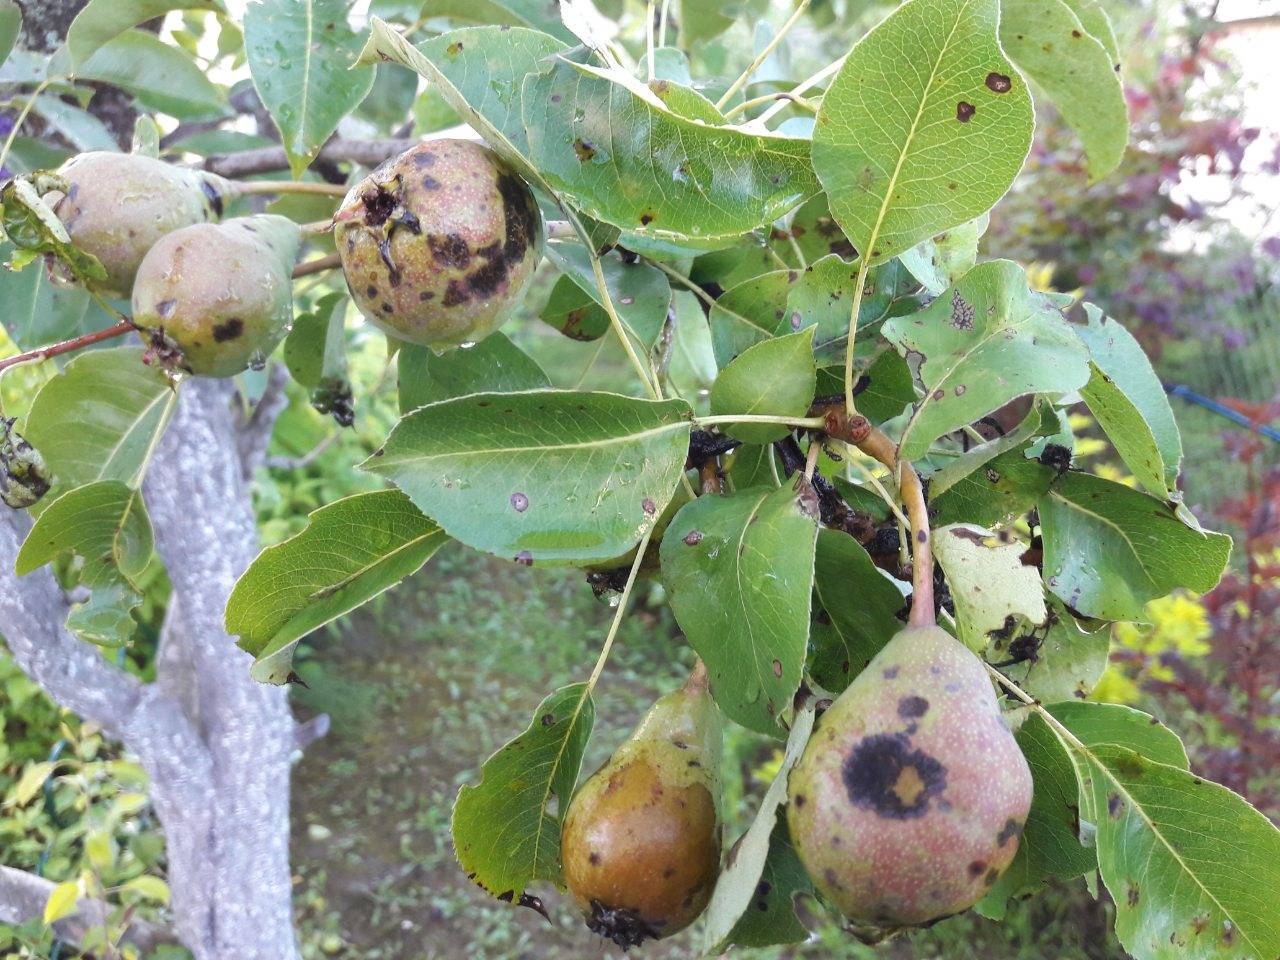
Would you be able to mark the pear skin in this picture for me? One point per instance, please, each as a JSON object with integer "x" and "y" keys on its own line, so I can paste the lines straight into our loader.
{"x": 215, "y": 299}
{"x": 117, "y": 206}
{"x": 439, "y": 244}
{"x": 910, "y": 798}
{"x": 641, "y": 840}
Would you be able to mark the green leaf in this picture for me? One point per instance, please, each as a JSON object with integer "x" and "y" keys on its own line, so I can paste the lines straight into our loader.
{"x": 861, "y": 604}
{"x": 963, "y": 488}
{"x": 10, "y": 25}
{"x": 786, "y": 301}
{"x": 36, "y": 311}
{"x": 619, "y": 158}
{"x": 349, "y": 552}
{"x": 1068, "y": 662}
{"x": 494, "y": 365}
{"x": 993, "y": 591}
{"x": 924, "y": 127}
{"x": 504, "y": 833}
{"x": 538, "y": 14}
{"x": 541, "y": 476}
{"x": 773, "y": 378}
{"x": 1128, "y": 432}
{"x": 1051, "y": 842}
{"x": 1109, "y": 549}
{"x": 692, "y": 369}
{"x": 1097, "y": 23}
{"x": 106, "y": 524}
{"x": 1191, "y": 866}
{"x": 62, "y": 901}
{"x": 739, "y": 569}
{"x": 78, "y": 127}
{"x": 1141, "y": 417}
{"x": 32, "y": 781}
{"x": 148, "y": 888}
{"x": 884, "y": 389}
{"x": 100, "y": 21}
{"x": 942, "y": 260}
{"x": 741, "y": 911}
{"x": 753, "y": 465}
{"x": 316, "y": 345}
{"x": 301, "y": 54}
{"x": 1050, "y": 45}
{"x": 101, "y": 418}
{"x": 989, "y": 341}
{"x": 162, "y": 77}
{"x": 640, "y": 293}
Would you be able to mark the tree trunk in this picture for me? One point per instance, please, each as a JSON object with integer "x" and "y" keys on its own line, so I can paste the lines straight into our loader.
{"x": 216, "y": 744}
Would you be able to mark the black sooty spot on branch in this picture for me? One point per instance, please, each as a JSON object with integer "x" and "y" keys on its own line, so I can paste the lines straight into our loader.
{"x": 884, "y": 774}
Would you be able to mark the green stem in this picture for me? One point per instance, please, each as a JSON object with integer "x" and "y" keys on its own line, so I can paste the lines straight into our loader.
{"x": 662, "y": 28}
{"x": 858, "y": 284}
{"x": 762, "y": 56}
{"x": 803, "y": 423}
{"x": 617, "y": 616}
{"x": 249, "y": 187}
{"x": 648, "y": 34}
{"x": 800, "y": 88}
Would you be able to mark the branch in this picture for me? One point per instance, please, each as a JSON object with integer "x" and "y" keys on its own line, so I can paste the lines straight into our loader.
{"x": 1271, "y": 20}
{"x": 66, "y": 346}
{"x": 75, "y": 674}
{"x": 368, "y": 153}
{"x": 255, "y": 432}
{"x": 23, "y": 896}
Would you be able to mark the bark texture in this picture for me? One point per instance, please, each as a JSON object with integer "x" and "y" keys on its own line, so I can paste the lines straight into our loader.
{"x": 217, "y": 745}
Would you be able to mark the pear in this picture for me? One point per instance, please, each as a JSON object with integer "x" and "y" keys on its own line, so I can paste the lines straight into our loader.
{"x": 910, "y": 798}
{"x": 117, "y": 205}
{"x": 641, "y": 839}
{"x": 439, "y": 244}
{"x": 214, "y": 299}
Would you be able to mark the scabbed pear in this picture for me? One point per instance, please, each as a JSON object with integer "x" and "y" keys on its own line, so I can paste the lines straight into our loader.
{"x": 910, "y": 798}
{"x": 641, "y": 839}
{"x": 214, "y": 299}
{"x": 118, "y": 205}
{"x": 439, "y": 243}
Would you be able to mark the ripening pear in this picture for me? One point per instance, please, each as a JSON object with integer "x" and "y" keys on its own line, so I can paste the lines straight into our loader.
{"x": 641, "y": 839}
{"x": 214, "y": 299}
{"x": 439, "y": 244}
{"x": 911, "y": 796}
{"x": 117, "y": 205}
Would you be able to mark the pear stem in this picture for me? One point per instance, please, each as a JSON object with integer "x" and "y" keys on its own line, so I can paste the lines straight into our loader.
{"x": 858, "y": 431}
{"x": 66, "y": 346}
{"x": 318, "y": 265}
{"x": 248, "y": 187}
{"x": 699, "y": 679}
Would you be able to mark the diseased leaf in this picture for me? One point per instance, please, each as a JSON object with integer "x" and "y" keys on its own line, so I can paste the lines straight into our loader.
{"x": 543, "y": 476}
{"x": 541, "y": 15}
{"x": 993, "y": 592}
{"x": 505, "y": 834}
{"x": 861, "y": 604}
{"x": 733, "y": 917}
{"x": 773, "y": 378}
{"x": 924, "y": 127}
{"x": 739, "y": 569}
{"x": 101, "y": 418}
{"x": 301, "y": 56}
{"x": 624, "y": 159}
{"x": 988, "y": 341}
{"x": 494, "y": 365}
{"x": 1050, "y": 45}
{"x": 1109, "y": 549}
{"x": 640, "y": 293}
{"x": 1064, "y": 661}
{"x": 349, "y": 552}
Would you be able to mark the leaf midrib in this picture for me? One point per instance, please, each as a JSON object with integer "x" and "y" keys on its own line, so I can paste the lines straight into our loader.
{"x": 535, "y": 448}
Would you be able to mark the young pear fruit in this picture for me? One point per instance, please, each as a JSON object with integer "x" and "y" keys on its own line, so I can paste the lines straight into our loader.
{"x": 439, "y": 244}
{"x": 117, "y": 205}
{"x": 910, "y": 797}
{"x": 214, "y": 299}
{"x": 641, "y": 839}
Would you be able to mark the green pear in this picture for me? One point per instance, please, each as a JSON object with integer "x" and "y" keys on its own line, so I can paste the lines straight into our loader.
{"x": 116, "y": 206}
{"x": 910, "y": 798}
{"x": 641, "y": 839}
{"x": 214, "y": 299}
{"x": 439, "y": 244}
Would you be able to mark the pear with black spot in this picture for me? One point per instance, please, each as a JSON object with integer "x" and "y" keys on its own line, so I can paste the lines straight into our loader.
{"x": 910, "y": 798}
{"x": 215, "y": 299}
{"x": 641, "y": 840}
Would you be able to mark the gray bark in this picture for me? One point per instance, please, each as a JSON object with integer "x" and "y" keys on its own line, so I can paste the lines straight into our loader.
{"x": 216, "y": 744}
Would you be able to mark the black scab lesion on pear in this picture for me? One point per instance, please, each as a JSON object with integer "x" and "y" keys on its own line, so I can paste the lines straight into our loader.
{"x": 229, "y": 329}
{"x": 626, "y": 928}
{"x": 884, "y": 774}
